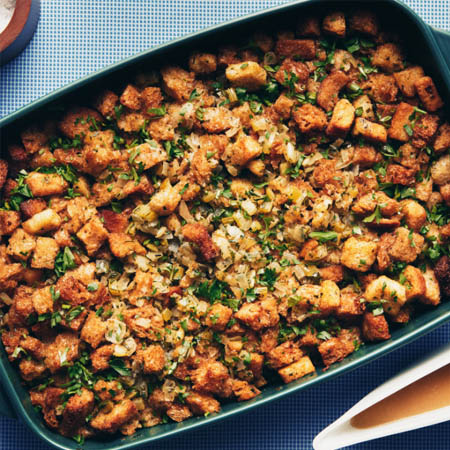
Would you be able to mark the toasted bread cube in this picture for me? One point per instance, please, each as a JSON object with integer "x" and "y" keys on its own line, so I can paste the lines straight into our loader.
{"x": 248, "y": 74}
{"x": 414, "y": 213}
{"x": 442, "y": 141}
{"x": 309, "y": 118}
{"x": 43, "y": 184}
{"x": 424, "y": 189}
{"x": 297, "y": 370}
{"x": 9, "y": 221}
{"x": 391, "y": 293}
{"x": 285, "y": 354}
{"x": 131, "y": 98}
{"x": 440, "y": 170}
{"x": 337, "y": 348}
{"x": 308, "y": 26}
{"x": 363, "y": 106}
{"x": 45, "y": 253}
{"x": 260, "y": 314}
{"x": 366, "y": 156}
{"x": 444, "y": 190}
{"x": 29, "y": 208}
{"x": 119, "y": 415}
{"x": 34, "y": 138}
{"x": 201, "y": 404}
{"x": 334, "y": 273}
{"x": 382, "y": 89}
{"x": 329, "y": 89}
{"x": 432, "y": 294}
{"x": 93, "y": 331}
{"x": 375, "y": 328}
{"x": 334, "y": 24}
{"x": 93, "y": 234}
{"x": 350, "y": 307}
{"x": 407, "y": 245}
{"x": 4, "y": 166}
{"x": 244, "y": 150}
{"x": 342, "y": 119}
{"x": 106, "y": 103}
{"x": 123, "y": 245}
{"x": 358, "y": 254}
{"x": 401, "y": 120}
{"x": 78, "y": 121}
{"x": 165, "y": 201}
{"x": 151, "y": 98}
{"x": 42, "y": 222}
{"x": 405, "y": 80}
{"x": 388, "y": 57}
{"x": 415, "y": 282}
{"x": 203, "y": 63}
{"x": 218, "y": 317}
{"x": 153, "y": 358}
{"x": 177, "y": 82}
{"x": 283, "y": 106}
{"x": 330, "y": 297}
{"x": 365, "y": 22}
{"x": 298, "y": 48}
{"x": 424, "y": 130}
{"x": 428, "y": 94}
{"x": 21, "y": 244}
{"x": 42, "y": 300}
{"x": 369, "y": 130}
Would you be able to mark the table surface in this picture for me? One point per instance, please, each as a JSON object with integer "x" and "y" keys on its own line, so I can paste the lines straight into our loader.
{"x": 77, "y": 37}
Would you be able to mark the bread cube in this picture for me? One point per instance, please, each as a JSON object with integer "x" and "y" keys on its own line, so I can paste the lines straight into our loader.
{"x": 131, "y": 98}
{"x": 432, "y": 294}
{"x": 364, "y": 21}
{"x": 334, "y": 24}
{"x": 93, "y": 331}
{"x": 93, "y": 234}
{"x": 390, "y": 293}
{"x": 21, "y": 244}
{"x": 44, "y": 184}
{"x": 42, "y": 300}
{"x": 369, "y": 130}
{"x": 364, "y": 104}
{"x": 309, "y": 118}
{"x": 414, "y": 282}
{"x": 428, "y": 94}
{"x": 388, "y": 57}
{"x": 298, "y": 48}
{"x": 329, "y": 89}
{"x": 177, "y": 82}
{"x": 78, "y": 121}
{"x": 358, "y": 254}
{"x": 9, "y": 221}
{"x": 440, "y": 170}
{"x": 342, "y": 119}
{"x": 203, "y": 63}
{"x": 297, "y": 370}
{"x": 330, "y": 297}
{"x": 375, "y": 328}
{"x": 106, "y": 103}
{"x": 442, "y": 141}
{"x": 123, "y": 245}
{"x": 405, "y": 80}
{"x": 248, "y": 74}
{"x": 42, "y": 222}
{"x": 45, "y": 253}
{"x": 414, "y": 213}
{"x": 218, "y": 316}
{"x": 402, "y": 118}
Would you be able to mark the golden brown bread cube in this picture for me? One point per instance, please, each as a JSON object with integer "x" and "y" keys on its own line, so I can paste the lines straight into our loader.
{"x": 93, "y": 234}
{"x": 202, "y": 403}
{"x": 440, "y": 170}
{"x": 329, "y": 89}
{"x": 299, "y": 48}
{"x": 131, "y": 98}
{"x": 77, "y": 122}
{"x": 218, "y": 317}
{"x": 375, "y": 328}
{"x": 369, "y": 130}
{"x": 432, "y": 294}
{"x": 21, "y": 245}
{"x": 42, "y": 222}
{"x": 309, "y": 118}
{"x": 45, "y": 253}
{"x": 284, "y": 354}
{"x": 106, "y": 103}
{"x": 414, "y": 213}
{"x": 9, "y": 221}
{"x": 111, "y": 421}
{"x": 29, "y": 208}
{"x": 44, "y": 184}
{"x": 366, "y": 156}
{"x": 243, "y": 150}
{"x": 334, "y": 24}
{"x": 405, "y": 80}
{"x": 260, "y": 314}
{"x": 358, "y": 254}
{"x": 414, "y": 282}
{"x": 203, "y": 63}
{"x": 388, "y": 57}
{"x": 428, "y": 94}
{"x": 337, "y": 348}
{"x": 123, "y": 245}
{"x": 42, "y": 300}
{"x": 247, "y": 74}
{"x": 442, "y": 141}
{"x": 341, "y": 119}
{"x": 391, "y": 293}
{"x": 401, "y": 124}
{"x": 363, "y": 106}
{"x": 382, "y": 88}
{"x": 94, "y": 329}
{"x": 297, "y": 370}
{"x": 178, "y": 83}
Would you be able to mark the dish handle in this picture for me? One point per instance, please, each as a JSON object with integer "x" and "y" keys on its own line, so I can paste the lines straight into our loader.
{"x": 443, "y": 40}
{"x": 6, "y": 410}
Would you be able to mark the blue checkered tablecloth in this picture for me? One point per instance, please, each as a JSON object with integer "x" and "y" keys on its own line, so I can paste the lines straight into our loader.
{"x": 76, "y": 37}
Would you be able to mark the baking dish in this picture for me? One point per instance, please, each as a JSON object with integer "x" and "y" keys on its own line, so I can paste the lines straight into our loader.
{"x": 429, "y": 46}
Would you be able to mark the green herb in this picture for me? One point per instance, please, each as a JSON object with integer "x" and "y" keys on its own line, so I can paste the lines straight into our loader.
{"x": 408, "y": 129}
{"x": 359, "y": 111}
{"x": 375, "y": 216}
{"x": 200, "y": 114}
{"x": 268, "y": 278}
{"x": 158, "y": 112}
{"x": 323, "y": 236}
{"x": 73, "y": 313}
{"x": 119, "y": 366}
{"x": 194, "y": 95}
{"x": 212, "y": 291}
{"x": 92, "y": 287}
{"x": 64, "y": 261}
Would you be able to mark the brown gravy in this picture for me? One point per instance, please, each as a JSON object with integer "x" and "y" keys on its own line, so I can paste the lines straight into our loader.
{"x": 428, "y": 393}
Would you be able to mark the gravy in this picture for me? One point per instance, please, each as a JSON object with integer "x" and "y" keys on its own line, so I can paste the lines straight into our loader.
{"x": 426, "y": 394}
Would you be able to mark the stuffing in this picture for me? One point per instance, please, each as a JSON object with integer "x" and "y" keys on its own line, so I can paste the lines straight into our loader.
{"x": 21, "y": 245}
{"x": 131, "y": 98}
{"x": 401, "y": 123}
{"x": 432, "y": 294}
{"x": 375, "y": 328}
{"x": 211, "y": 377}
{"x": 201, "y": 404}
{"x": 76, "y": 410}
{"x": 364, "y": 21}
{"x": 243, "y": 151}
{"x": 152, "y": 358}
{"x": 177, "y": 82}
{"x": 297, "y": 370}
{"x": 382, "y": 88}
{"x": 388, "y": 292}
{"x": 337, "y": 348}
{"x": 363, "y": 107}
{"x": 29, "y": 208}
{"x": 42, "y": 300}
{"x": 123, "y": 245}
{"x": 414, "y": 213}
{"x": 414, "y": 282}
{"x": 93, "y": 331}
{"x": 106, "y": 103}
{"x": 92, "y": 235}
{"x": 218, "y": 317}
{"x": 9, "y": 221}
{"x": 247, "y": 74}
{"x": 440, "y": 170}
{"x": 165, "y": 201}
{"x": 77, "y": 121}
{"x": 203, "y": 63}
{"x": 260, "y": 314}
{"x": 442, "y": 141}
{"x": 295, "y": 72}
{"x": 110, "y": 422}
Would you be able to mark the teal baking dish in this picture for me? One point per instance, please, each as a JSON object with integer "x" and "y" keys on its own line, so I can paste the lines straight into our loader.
{"x": 427, "y": 46}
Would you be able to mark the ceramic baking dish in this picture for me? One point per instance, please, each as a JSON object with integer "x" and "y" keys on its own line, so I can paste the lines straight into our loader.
{"x": 425, "y": 45}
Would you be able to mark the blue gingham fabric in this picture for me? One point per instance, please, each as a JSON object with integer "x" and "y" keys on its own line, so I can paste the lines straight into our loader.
{"x": 76, "y": 37}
